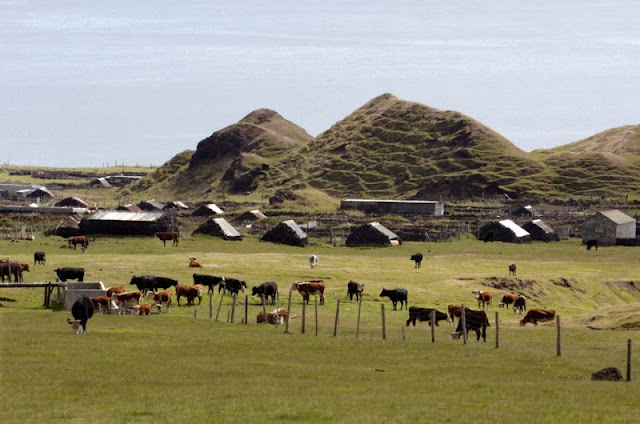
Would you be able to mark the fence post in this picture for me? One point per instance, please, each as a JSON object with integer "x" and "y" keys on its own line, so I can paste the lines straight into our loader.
{"x": 233, "y": 307}
{"x": 335, "y": 325}
{"x": 316, "y": 299}
{"x": 404, "y": 335}
{"x": 277, "y": 308}
{"x": 433, "y": 326}
{"x": 246, "y": 309}
{"x": 384, "y": 323}
{"x": 286, "y": 324}
{"x": 463, "y": 320}
{"x": 195, "y": 313}
{"x": 304, "y": 316}
{"x": 497, "y": 329}
{"x": 264, "y": 307}
{"x": 629, "y": 360}
{"x": 211, "y": 304}
{"x": 358, "y": 324}
{"x": 219, "y": 306}
{"x": 559, "y": 339}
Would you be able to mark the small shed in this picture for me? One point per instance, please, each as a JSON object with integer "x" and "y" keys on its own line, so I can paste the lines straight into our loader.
{"x": 208, "y": 209}
{"x": 75, "y": 202}
{"x": 128, "y": 223}
{"x": 254, "y": 215}
{"x": 67, "y": 227}
{"x": 151, "y": 205}
{"x": 287, "y": 232}
{"x": 372, "y": 234}
{"x": 219, "y": 227}
{"x": 505, "y": 231}
{"x": 610, "y": 227}
{"x": 42, "y": 194}
{"x": 540, "y": 231}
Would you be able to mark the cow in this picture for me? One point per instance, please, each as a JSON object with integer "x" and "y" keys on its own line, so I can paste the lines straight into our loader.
{"x": 278, "y": 316}
{"x": 67, "y": 273}
{"x": 309, "y": 288}
{"x": 142, "y": 309}
{"x": 194, "y": 263}
{"x": 424, "y": 314}
{"x": 232, "y": 285}
{"x": 535, "y": 315}
{"x": 207, "y": 280}
{"x": 520, "y": 304}
{"x": 11, "y": 270}
{"x": 484, "y": 298}
{"x": 507, "y": 300}
{"x": 313, "y": 261}
{"x": 164, "y": 296}
{"x": 82, "y": 311}
{"x": 474, "y": 320}
{"x": 39, "y": 258}
{"x": 123, "y": 300}
{"x": 417, "y": 258}
{"x": 116, "y": 289}
{"x": 190, "y": 292}
{"x": 266, "y": 289}
{"x": 101, "y": 303}
{"x": 512, "y": 269}
{"x": 145, "y": 283}
{"x": 78, "y": 240}
{"x": 592, "y": 243}
{"x": 174, "y": 236}
{"x": 165, "y": 283}
{"x": 354, "y": 288}
{"x": 396, "y": 295}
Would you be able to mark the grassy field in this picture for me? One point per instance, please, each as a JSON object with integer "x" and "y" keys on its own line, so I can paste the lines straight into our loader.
{"x": 177, "y": 368}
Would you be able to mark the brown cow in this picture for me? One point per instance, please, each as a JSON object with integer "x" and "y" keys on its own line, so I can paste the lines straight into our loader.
{"x": 190, "y": 292}
{"x": 278, "y": 316}
{"x": 116, "y": 289}
{"x": 125, "y": 299}
{"x": 78, "y": 240}
{"x": 512, "y": 269}
{"x": 142, "y": 309}
{"x": 535, "y": 315}
{"x": 507, "y": 300}
{"x": 455, "y": 311}
{"x": 164, "y": 296}
{"x": 194, "y": 263}
{"x": 21, "y": 268}
{"x": 484, "y": 298}
{"x": 174, "y": 236}
{"x": 101, "y": 303}
{"x": 307, "y": 289}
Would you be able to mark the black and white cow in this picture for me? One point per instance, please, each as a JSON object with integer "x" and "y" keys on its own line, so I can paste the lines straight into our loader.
{"x": 354, "y": 288}
{"x": 396, "y": 295}
{"x": 82, "y": 311}
{"x": 313, "y": 261}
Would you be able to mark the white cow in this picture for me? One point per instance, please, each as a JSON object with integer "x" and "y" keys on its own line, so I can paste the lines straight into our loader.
{"x": 313, "y": 261}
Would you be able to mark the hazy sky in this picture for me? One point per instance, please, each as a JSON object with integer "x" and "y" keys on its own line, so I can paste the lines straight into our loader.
{"x": 83, "y": 83}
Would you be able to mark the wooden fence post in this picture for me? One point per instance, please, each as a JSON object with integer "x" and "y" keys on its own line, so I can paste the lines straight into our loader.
{"x": 246, "y": 309}
{"x": 404, "y": 335}
{"x": 219, "y": 306}
{"x": 559, "y": 338}
{"x": 629, "y": 360}
{"x": 211, "y": 304}
{"x": 233, "y": 307}
{"x": 264, "y": 307}
{"x": 286, "y": 324}
{"x": 195, "y": 313}
{"x": 497, "y": 329}
{"x": 304, "y": 316}
{"x": 384, "y": 323}
{"x": 358, "y": 324}
{"x": 335, "y": 325}
{"x": 463, "y": 320}
{"x": 433, "y": 326}
{"x": 277, "y": 308}
{"x": 316, "y": 299}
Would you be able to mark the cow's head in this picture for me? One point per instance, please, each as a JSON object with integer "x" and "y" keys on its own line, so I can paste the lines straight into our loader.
{"x": 476, "y": 293}
{"x": 76, "y": 326}
{"x": 254, "y": 291}
{"x": 455, "y": 335}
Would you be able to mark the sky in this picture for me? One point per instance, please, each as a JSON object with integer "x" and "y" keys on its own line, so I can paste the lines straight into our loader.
{"x": 93, "y": 83}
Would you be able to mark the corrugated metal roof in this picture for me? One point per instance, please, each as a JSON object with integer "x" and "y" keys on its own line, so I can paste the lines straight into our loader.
{"x": 257, "y": 214}
{"x": 227, "y": 228}
{"x": 214, "y": 208}
{"x": 617, "y": 216}
{"x": 292, "y": 224}
{"x": 390, "y": 234}
{"x": 517, "y": 230}
{"x": 109, "y": 215}
{"x": 423, "y": 202}
{"x": 543, "y": 226}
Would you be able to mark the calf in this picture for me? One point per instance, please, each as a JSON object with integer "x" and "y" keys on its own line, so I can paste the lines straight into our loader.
{"x": 520, "y": 304}
{"x": 65, "y": 274}
{"x": 474, "y": 320}
{"x": 116, "y": 289}
{"x": 512, "y": 269}
{"x": 190, "y": 292}
{"x": 278, "y": 316}
{"x": 194, "y": 263}
{"x": 396, "y": 295}
{"x": 123, "y": 300}
{"x": 142, "y": 309}
{"x": 39, "y": 258}
{"x": 267, "y": 289}
{"x": 164, "y": 296}
{"x": 209, "y": 281}
{"x": 424, "y": 314}
{"x": 82, "y": 311}
{"x": 592, "y": 243}
{"x": 484, "y": 298}
{"x": 535, "y": 315}
{"x": 102, "y": 303}
{"x": 417, "y": 258}
{"x": 354, "y": 288}
{"x": 308, "y": 289}
{"x": 313, "y": 261}
{"x": 78, "y": 240}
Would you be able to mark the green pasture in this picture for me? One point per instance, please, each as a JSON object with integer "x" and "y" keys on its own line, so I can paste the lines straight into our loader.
{"x": 174, "y": 367}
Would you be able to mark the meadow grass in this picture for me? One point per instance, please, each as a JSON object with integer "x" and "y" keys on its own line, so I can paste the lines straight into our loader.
{"x": 177, "y": 368}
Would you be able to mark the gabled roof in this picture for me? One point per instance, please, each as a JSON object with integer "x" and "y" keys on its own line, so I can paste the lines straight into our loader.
{"x": 292, "y": 224}
{"x": 517, "y": 230}
{"x": 384, "y": 230}
{"x": 213, "y": 208}
{"x": 543, "y": 226}
{"x": 617, "y": 216}
{"x": 227, "y": 228}
{"x": 109, "y": 215}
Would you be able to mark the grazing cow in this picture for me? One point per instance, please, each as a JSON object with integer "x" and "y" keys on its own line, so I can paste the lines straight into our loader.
{"x": 174, "y": 236}
{"x": 123, "y": 300}
{"x": 207, "y": 280}
{"x": 512, "y": 269}
{"x": 455, "y": 311}
{"x": 507, "y": 300}
{"x": 308, "y": 289}
{"x": 396, "y": 295}
{"x": 232, "y": 285}
{"x": 164, "y": 283}
{"x": 354, "y": 288}
{"x": 268, "y": 289}
{"x": 592, "y": 243}
{"x": 313, "y": 261}
{"x": 424, "y": 314}
{"x": 11, "y": 270}
{"x": 142, "y": 309}
{"x": 164, "y": 296}
{"x": 520, "y": 304}
{"x": 39, "y": 258}
{"x": 535, "y": 315}
{"x": 65, "y": 274}
{"x": 417, "y": 258}
{"x": 278, "y": 316}
{"x": 194, "y": 263}
{"x": 82, "y": 311}
{"x": 190, "y": 292}
{"x": 116, "y": 289}
{"x": 474, "y": 320}
{"x": 102, "y": 303}
{"x": 145, "y": 283}
{"x": 484, "y": 298}
{"x": 78, "y": 240}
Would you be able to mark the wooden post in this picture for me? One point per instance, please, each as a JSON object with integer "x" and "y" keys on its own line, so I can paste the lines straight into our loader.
{"x": 264, "y": 307}
{"x": 228, "y": 316}
{"x": 211, "y": 304}
{"x": 404, "y": 335}
{"x": 384, "y": 323}
{"x": 358, "y": 324}
{"x": 629, "y": 360}
{"x": 277, "y": 308}
{"x": 316, "y": 299}
{"x": 463, "y": 320}
{"x": 497, "y": 330}
{"x": 233, "y": 307}
{"x": 433, "y": 326}
{"x": 195, "y": 313}
{"x": 304, "y": 316}
{"x": 286, "y": 324}
{"x": 335, "y": 324}
{"x": 246, "y": 309}
{"x": 219, "y": 306}
{"x": 559, "y": 339}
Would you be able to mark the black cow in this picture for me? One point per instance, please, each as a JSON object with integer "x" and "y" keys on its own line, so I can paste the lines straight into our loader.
{"x": 232, "y": 286}
{"x": 396, "y": 295}
{"x": 144, "y": 283}
{"x": 82, "y": 311}
{"x": 268, "y": 289}
{"x": 417, "y": 258}
{"x": 592, "y": 243}
{"x": 164, "y": 283}
{"x": 475, "y": 320}
{"x": 10, "y": 270}
{"x": 424, "y": 314}
{"x": 65, "y": 274}
{"x": 39, "y": 258}
{"x": 207, "y": 280}
{"x": 354, "y": 288}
